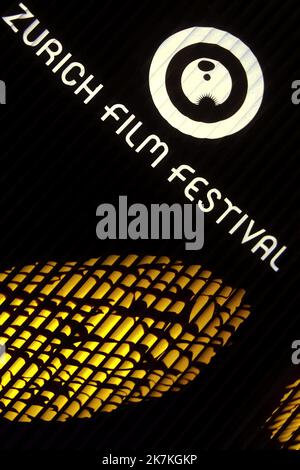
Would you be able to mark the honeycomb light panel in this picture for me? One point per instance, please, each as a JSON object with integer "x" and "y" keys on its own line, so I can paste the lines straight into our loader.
{"x": 87, "y": 337}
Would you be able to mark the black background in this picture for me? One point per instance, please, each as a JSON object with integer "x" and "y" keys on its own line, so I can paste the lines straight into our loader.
{"x": 59, "y": 162}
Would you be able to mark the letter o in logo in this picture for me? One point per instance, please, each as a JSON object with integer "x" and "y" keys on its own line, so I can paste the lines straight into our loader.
{"x": 206, "y": 82}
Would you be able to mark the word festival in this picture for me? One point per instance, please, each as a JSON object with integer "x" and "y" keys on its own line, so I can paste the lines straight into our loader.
{"x": 74, "y": 75}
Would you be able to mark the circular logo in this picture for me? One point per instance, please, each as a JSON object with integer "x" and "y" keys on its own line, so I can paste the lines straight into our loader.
{"x": 206, "y": 83}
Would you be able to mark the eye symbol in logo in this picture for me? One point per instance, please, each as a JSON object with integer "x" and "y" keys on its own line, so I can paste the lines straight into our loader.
{"x": 206, "y": 82}
{"x": 206, "y": 78}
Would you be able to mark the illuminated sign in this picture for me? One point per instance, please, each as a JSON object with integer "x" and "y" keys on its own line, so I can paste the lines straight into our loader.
{"x": 238, "y": 62}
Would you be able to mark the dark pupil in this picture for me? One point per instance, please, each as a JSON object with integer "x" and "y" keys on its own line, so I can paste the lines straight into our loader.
{"x": 206, "y": 65}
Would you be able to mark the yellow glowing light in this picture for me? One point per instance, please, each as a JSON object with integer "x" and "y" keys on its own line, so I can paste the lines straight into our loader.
{"x": 284, "y": 423}
{"x": 87, "y": 337}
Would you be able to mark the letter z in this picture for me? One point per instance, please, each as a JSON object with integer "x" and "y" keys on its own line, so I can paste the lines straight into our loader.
{"x": 21, "y": 16}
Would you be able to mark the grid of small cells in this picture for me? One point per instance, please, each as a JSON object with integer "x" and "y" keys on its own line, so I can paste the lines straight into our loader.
{"x": 85, "y": 337}
{"x": 284, "y": 423}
